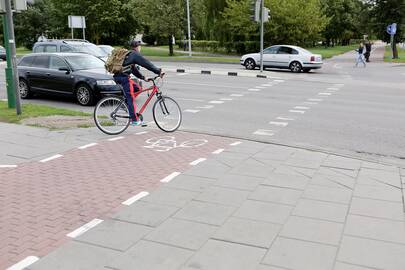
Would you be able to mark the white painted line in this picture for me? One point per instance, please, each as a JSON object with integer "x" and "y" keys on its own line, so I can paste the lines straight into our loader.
{"x": 205, "y": 107}
{"x": 24, "y": 263}
{"x": 260, "y": 87}
{"x": 216, "y": 102}
{"x": 282, "y": 124}
{"x": 116, "y": 139}
{"x": 135, "y": 198}
{"x": 267, "y": 85}
{"x": 325, "y": 94}
{"x": 219, "y": 151}
{"x": 235, "y": 143}
{"x": 263, "y": 132}
{"x": 140, "y": 133}
{"x": 181, "y": 74}
{"x": 195, "y": 162}
{"x": 309, "y": 103}
{"x": 51, "y": 158}
{"x": 302, "y": 108}
{"x": 333, "y": 89}
{"x": 315, "y": 99}
{"x": 296, "y": 111}
{"x": 236, "y": 95}
{"x": 226, "y": 99}
{"x": 339, "y": 85}
{"x": 285, "y": 118}
{"x": 254, "y": 90}
{"x": 170, "y": 177}
{"x": 87, "y": 146}
{"x": 279, "y": 81}
{"x": 8, "y": 166}
{"x": 84, "y": 228}
{"x": 191, "y": 111}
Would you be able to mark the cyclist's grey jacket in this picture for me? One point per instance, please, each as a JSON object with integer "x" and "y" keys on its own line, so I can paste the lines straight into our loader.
{"x": 134, "y": 58}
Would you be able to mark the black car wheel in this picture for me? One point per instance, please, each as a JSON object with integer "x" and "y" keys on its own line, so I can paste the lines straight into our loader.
{"x": 295, "y": 67}
{"x": 250, "y": 64}
{"x": 84, "y": 95}
{"x": 24, "y": 88}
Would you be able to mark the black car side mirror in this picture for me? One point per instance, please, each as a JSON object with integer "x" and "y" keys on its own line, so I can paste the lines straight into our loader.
{"x": 65, "y": 69}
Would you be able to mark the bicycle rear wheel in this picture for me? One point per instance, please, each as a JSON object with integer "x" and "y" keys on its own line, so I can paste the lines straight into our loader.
{"x": 111, "y": 115}
{"x": 167, "y": 114}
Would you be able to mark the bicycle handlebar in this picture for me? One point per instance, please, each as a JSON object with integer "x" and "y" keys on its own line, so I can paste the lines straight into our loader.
{"x": 154, "y": 79}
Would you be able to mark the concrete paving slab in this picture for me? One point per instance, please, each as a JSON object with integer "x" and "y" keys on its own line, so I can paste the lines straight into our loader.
{"x": 338, "y": 172}
{"x": 377, "y": 208}
{"x": 248, "y": 232}
{"x": 208, "y": 213}
{"x": 321, "y": 210}
{"x": 231, "y": 159}
{"x": 275, "y": 153}
{"x": 225, "y": 196}
{"x": 303, "y": 163}
{"x": 147, "y": 255}
{"x": 378, "y": 166}
{"x": 182, "y": 233}
{"x": 372, "y": 253}
{"x": 297, "y": 171}
{"x": 303, "y": 154}
{"x": 191, "y": 183}
{"x": 276, "y": 194}
{"x": 219, "y": 255}
{"x": 241, "y": 182}
{"x": 329, "y": 194}
{"x": 383, "y": 192}
{"x": 149, "y": 214}
{"x": 286, "y": 181}
{"x": 342, "y": 162}
{"x": 346, "y": 266}
{"x": 171, "y": 196}
{"x": 268, "y": 267}
{"x": 297, "y": 255}
{"x": 377, "y": 177}
{"x": 252, "y": 167}
{"x": 209, "y": 169}
{"x": 334, "y": 181}
{"x": 264, "y": 211}
{"x": 313, "y": 230}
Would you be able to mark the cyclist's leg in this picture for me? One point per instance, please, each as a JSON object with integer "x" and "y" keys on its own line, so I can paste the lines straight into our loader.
{"x": 124, "y": 82}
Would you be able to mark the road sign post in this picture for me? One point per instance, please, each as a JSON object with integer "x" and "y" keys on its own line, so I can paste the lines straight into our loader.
{"x": 392, "y": 30}
{"x": 261, "y": 34}
{"x": 189, "y": 28}
{"x": 77, "y": 22}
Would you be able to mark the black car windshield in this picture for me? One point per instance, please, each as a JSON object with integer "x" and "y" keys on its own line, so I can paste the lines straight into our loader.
{"x": 81, "y": 62}
{"x": 89, "y": 49}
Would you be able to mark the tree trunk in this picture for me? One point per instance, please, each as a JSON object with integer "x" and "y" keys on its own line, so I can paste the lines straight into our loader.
{"x": 395, "y": 50}
{"x": 171, "y": 53}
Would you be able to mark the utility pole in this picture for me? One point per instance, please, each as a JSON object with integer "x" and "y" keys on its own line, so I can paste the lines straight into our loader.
{"x": 11, "y": 56}
{"x": 189, "y": 28}
{"x": 261, "y": 34}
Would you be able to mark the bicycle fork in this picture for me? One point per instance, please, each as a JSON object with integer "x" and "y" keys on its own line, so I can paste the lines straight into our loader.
{"x": 163, "y": 106}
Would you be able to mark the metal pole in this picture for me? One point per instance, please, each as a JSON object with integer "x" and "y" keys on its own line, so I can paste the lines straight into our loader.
{"x": 261, "y": 34}
{"x": 72, "y": 32}
{"x": 392, "y": 46}
{"x": 189, "y": 28}
{"x": 8, "y": 69}
{"x": 84, "y": 34}
{"x": 11, "y": 42}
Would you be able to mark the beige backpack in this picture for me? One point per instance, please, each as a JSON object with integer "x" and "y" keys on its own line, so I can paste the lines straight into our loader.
{"x": 115, "y": 60}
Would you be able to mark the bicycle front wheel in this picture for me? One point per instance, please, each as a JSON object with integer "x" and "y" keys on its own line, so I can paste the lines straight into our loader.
{"x": 111, "y": 115}
{"x": 167, "y": 114}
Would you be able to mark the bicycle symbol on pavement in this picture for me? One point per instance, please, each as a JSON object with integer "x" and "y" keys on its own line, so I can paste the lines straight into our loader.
{"x": 167, "y": 143}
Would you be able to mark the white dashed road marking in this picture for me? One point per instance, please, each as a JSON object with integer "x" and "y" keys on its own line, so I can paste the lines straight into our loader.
{"x": 309, "y": 103}
{"x": 24, "y": 263}
{"x": 191, "y": 111}
{"x": 50, "y": 158}
{"x": 84, "y": 228}
{"x": 264, "y": 132}
{"x": 279, "y": 81}
{"x": 254, "y": 90}
{"x": 285, "y": 118}
{"x": 333, "y": 89}
{"x": 296, "y": 111}
{"x": 219, "y": 151}
{"x": 197, "y": 161}
{"x": 301, "y": 108}
{"x": 235, "y": 143}
{"x": 282, "y": 124}
{"x": 170, "y": 177}
{"x": 8, "y": 166}
{"x": 236, "y": 95}
{"x": 205, "y": 107}
{"x": 142, "y": 132}
{"x": 135, "y": 198}
{"x": 226, "y": 99}
{"x": 116, "y": 139}
{"x": 314, "y": 99}
{"x": 216, "y": 102}
{"x": 325, "y": 94}
{"x": 87, "y": 146}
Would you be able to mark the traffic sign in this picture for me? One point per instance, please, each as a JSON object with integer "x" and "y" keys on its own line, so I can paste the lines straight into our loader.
{"x": 392, "y": 29}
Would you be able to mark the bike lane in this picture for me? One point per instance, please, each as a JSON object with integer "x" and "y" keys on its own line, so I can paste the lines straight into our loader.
{"x": 42, "y": 202}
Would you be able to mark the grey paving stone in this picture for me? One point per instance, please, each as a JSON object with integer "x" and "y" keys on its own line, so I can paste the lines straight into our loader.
{"x": 342, "y": 162}
{"x": 115, "y": 234}
{"x": 376, "y": 228}
{"x": 321, "y": 210}
{"x": 376, "y": 208}
{"x": 276, "y": 195}
{"x": 252, "y": 167}
{"x": 145, "y": 213}
{"x": 264, "y": 211}
{"x": 147, "y": 255}
{"x": 334, "y": 181}
{"x": 204, "y": 212}
{"x": 383, "y": 192}
{"x": 231, "y": 158}
{"x": 248, "y": 232}
{"x": 223, "y": 195}
{"x": 372, "y": 253}
{"x": 297, "y": 171}
{"x": 286, "y": 181}
{"x": 309, "y": 155}
{"x": 241, "y": 182}
{"x": 304, "y": 163}
{"x": 211, "y": 168}
{"x": 170, "y": 196}
{"x": 346, "y": 266}
{"x": 330, "y": 194}
{"x": 219, "y": 255}
{"x": 75, "y": 255}
{"x": 280, "y": 153}
{"x": 378, "y": 166}
{"x": 300, "y": 255}
{"x": 320, "y": 231}
{"x": 182, "y": 233}
{"x": 268, "y": 267}
{"x": 191, "y": 183}
{"x": 378, "y": 177}
{"x": 338, "y": 172}
{"x": 247, "y": 148}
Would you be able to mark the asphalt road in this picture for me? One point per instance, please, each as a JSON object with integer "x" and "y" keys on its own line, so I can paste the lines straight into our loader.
{"x": 354, "y": 111}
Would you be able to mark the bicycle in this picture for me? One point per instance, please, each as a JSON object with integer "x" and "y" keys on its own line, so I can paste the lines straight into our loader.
{"x": 111, "y": 113}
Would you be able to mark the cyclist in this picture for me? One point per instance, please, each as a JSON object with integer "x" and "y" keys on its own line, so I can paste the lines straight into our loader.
{"x": 132, "y": 59}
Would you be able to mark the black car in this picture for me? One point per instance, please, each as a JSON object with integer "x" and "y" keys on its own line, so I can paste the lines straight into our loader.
{"x": 2, "y": 53}
{"x": 75, "y": 74}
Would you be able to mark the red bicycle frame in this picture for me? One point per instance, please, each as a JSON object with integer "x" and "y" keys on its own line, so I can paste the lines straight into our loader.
{"x": 134, "y": 95}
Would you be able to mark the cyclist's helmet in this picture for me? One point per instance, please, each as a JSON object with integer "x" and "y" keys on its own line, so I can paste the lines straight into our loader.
{"x": 134, "y": 43}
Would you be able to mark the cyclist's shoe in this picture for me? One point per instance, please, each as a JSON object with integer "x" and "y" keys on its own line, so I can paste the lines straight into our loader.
{"x": 138, "y": 124}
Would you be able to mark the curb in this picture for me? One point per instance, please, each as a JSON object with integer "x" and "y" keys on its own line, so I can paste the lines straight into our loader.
{"x": 222, "y": 73}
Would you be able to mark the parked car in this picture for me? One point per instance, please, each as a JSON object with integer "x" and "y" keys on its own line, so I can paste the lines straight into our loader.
{"x": 294, "y": 58}
{"x": 69, "y": 45}
{"x": 2, "y": 53}
{"x": 106, "y": 48}
{"x": 73, "y": 74}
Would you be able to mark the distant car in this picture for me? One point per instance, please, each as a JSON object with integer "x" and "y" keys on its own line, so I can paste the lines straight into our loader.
{"x": 106, "y": 48}
{"x": 69, "y": 45}
{"x": 2, "y": 53}
{"x": 74, "y": 74}
{"x": 294, "y": 58}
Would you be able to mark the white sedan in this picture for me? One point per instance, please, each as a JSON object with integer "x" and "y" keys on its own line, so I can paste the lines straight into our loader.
{"x": 284, "y": 56}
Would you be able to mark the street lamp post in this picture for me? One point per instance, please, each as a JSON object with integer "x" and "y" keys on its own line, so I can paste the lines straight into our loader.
{"x": 189, "y": 28}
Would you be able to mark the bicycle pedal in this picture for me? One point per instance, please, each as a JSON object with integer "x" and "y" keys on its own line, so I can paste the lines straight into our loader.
{"x": 144, "y": 125}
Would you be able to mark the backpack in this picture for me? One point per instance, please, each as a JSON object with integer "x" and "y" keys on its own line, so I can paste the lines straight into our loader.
{"x": 115, "y": 60}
